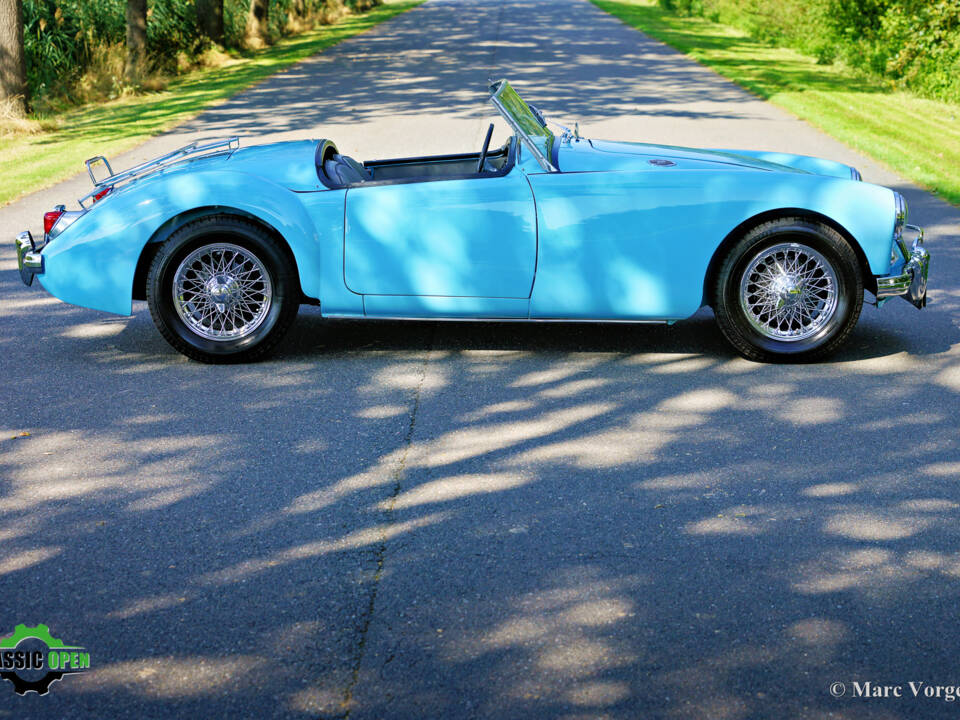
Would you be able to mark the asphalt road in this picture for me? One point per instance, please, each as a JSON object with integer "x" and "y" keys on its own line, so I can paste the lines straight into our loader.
{"x": 482, "y": 521}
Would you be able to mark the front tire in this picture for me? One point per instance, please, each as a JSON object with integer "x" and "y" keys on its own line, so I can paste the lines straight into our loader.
{"x": 788, "y": 290}
{"x": 222, "y": 290}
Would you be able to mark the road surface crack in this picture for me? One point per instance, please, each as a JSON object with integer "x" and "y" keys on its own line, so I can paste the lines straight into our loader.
{"x": 398, "y": 474}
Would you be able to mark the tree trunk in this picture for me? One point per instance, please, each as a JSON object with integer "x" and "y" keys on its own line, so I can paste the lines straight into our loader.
{"x": 210, "y": 19}
{"x": 257, "y": 27}
{"x": 136, "y": 40}
{"x": 13, "y": 66}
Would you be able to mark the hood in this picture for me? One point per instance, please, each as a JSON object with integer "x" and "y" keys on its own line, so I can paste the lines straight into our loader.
{"x": 585, "y": 155}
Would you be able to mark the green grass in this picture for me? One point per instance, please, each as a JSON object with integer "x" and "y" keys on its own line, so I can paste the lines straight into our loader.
{"x": 31, "y": 162}
{"x": 917, "y": 138}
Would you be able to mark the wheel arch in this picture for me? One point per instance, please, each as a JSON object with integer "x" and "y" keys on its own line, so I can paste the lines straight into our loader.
{"x": 716, "y": 260}
{"x": 177, "y": 221}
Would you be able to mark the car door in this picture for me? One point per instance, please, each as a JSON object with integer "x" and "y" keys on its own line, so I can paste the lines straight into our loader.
{"x": 469, "y": 244}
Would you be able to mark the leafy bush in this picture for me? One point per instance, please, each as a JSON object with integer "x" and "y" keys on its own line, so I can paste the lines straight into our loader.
{"x": 59, "y": 37}
{"x": 74, "y": 48}
{"x": 172, "y": 29}
{"x": 910, "y": 43}
{"x": 686, "y": 8}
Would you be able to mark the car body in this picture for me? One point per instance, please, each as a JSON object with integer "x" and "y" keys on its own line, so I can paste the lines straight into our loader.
{"x": 546, "y": 227}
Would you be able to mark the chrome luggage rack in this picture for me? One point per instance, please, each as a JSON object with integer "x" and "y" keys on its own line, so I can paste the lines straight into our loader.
{"x": 192, "y": 150}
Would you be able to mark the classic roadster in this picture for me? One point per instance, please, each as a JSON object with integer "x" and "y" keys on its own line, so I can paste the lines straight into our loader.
{"x": 225, "y": 243}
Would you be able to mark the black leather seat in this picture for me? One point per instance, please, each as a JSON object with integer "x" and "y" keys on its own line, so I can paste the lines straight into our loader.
{"x": 342, "y": 170}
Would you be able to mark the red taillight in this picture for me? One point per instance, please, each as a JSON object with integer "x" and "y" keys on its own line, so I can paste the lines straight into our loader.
{"x": 50, "y": 219}
{"x": 103, "y": 193}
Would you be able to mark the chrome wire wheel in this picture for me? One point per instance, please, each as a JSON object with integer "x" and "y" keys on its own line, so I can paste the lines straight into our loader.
{"x": 789, "y": 292}
{"x": 222, "y": 292}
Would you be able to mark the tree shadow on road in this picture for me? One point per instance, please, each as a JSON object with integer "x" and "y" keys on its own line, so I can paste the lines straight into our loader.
{"x": 450, "y": 77}
{"x": 623, "y": 521}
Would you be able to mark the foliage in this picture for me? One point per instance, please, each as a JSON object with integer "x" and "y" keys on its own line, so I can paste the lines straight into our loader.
{"x": 911, "y": 44}
{"x": 73, "y": 47}
{"x": 57, "y": 147}
{"x": 918, "y": 137}
{"x": 60, "y": 36}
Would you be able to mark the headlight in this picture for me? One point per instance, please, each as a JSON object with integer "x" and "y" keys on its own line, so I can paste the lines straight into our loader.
{"x": 901, "y": 215}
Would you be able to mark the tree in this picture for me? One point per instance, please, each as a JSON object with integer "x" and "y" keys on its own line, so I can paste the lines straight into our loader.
{"x": 13, "y": 65}
{"x": 136, "y": 40}
{"x": 210, "y": 18}
{"x": 257, "y": 23}
{"x": 298, "y": 9}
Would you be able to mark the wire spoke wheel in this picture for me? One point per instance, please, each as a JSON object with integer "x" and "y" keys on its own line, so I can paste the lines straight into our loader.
{"x": 223, "y": 289}
{"x": 222, "y": 292}
{"x": 789, "y": 292}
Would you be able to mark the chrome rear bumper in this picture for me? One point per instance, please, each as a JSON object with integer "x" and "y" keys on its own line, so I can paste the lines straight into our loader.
{"x": 29, "y": 258}
{"x": 911, "y": 283}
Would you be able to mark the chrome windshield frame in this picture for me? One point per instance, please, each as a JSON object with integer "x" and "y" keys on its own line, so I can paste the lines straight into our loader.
{"x": 496, "y": 89}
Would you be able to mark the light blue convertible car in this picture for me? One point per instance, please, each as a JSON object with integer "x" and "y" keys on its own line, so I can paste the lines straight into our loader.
{"x": 225, "y": 243}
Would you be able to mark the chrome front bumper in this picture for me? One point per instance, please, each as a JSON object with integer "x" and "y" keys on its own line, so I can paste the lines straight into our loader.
{"x": 911, "y": 283}
{"x": 29, "y": 258}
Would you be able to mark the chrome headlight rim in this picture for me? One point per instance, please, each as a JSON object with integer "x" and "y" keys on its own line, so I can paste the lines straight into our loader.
{"x": 900, "y": 215}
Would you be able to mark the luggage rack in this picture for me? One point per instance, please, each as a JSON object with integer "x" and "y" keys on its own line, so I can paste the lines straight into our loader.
{"x": 112, "y": 179}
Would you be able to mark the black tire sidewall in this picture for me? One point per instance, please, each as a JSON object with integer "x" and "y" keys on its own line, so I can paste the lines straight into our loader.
{"x": 848, "y": 285}
{"x": 208, "y": 232}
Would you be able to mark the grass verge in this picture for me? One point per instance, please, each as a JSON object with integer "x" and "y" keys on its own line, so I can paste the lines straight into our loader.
{"x": 56, "y": 150}
{"x": 917, "y": 138}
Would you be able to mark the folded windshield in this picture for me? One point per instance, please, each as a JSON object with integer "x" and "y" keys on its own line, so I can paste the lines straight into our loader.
{"x": 529, "y": 126}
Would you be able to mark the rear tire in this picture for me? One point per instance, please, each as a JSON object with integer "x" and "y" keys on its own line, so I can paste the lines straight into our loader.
{"x": 222, "y": 290}
{"x": 789, "y": 290}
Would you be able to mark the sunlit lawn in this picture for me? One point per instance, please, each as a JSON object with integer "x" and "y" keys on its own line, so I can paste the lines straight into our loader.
{"x": 918, "y": 138}
{"x": 32, "y": 162}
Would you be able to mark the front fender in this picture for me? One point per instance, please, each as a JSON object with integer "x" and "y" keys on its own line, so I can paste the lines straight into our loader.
{"x": 637, "y": 245}
{"x": 93, "y": 262}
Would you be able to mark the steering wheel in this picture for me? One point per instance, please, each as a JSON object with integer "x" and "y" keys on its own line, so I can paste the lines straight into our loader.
{"x": 486, "y": 147}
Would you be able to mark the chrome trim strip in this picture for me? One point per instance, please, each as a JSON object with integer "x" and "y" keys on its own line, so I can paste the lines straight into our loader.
{"x": 338, "y": 316}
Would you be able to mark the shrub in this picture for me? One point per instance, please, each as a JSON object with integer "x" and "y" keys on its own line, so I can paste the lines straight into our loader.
{"x": 59, "y": 38}
{"x": 74, "y": 47}
{"x": 911, "y": 43}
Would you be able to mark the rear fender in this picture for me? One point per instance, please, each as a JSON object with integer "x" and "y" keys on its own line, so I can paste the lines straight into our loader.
{"x": 94, "y": 262}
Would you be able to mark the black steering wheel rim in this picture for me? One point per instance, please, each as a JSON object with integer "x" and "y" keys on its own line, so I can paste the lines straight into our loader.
{"x": 486, "y": 147}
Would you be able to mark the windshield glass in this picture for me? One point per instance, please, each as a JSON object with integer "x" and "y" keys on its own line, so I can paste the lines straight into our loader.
{"x": 530, "y": 128}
